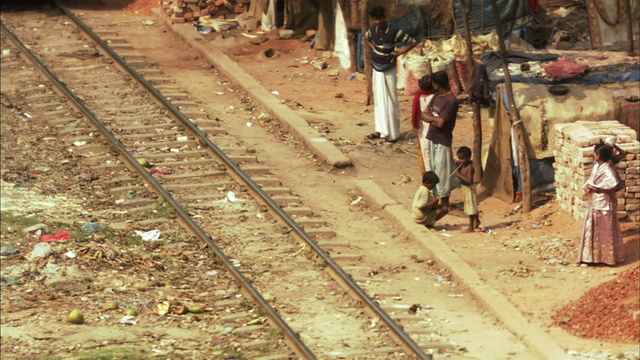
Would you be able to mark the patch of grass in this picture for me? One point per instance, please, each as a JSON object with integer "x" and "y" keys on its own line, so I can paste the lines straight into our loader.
{"x": 320, "y": 264}
{"x": 110, "y": 353}
{"x": 132, "y": 239}
{"x": 11, "y": 222}
{"x": 247, "y": 305}
{"x": 231, "y": 353}
{"x": 274, "y": 334}
{"x": 163, "y": 210}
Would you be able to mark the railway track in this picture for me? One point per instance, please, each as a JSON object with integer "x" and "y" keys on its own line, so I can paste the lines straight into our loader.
{"x": 213, "y": 186}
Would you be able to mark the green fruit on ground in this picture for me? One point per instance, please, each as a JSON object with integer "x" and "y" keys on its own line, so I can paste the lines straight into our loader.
{"x": 144, "y": 162}
{"x": 195, "y": 309}
{"x": 75, "y": 317}
{"x": 132, "y": 312}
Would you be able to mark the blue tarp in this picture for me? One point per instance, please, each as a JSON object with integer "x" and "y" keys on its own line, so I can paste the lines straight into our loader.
{"x": 482, "y": 18}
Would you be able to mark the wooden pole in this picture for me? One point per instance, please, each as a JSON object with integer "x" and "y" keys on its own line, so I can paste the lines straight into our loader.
{"x": 629, "y": 27}
{"x": 523, "y": 157}
{"x": 477, "y": 116}
{"x": 368, "y": 70}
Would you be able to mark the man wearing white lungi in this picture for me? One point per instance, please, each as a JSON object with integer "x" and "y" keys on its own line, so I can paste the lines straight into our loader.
{"x": 383, "y": 38}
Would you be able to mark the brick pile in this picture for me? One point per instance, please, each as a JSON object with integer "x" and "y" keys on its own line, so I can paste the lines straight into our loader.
{"x": 194, "y": 10}
{"x": 573, "y": 153}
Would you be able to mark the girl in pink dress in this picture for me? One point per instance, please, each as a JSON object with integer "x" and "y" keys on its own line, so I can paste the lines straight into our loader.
{"x": 601, "y": 236}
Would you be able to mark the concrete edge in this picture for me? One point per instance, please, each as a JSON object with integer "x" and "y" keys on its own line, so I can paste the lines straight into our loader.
{"x": 537, "y": 340}
{"x": 295, "y": 124}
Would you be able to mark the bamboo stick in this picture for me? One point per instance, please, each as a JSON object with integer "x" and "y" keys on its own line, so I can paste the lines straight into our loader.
{"x": 525, "y": 168}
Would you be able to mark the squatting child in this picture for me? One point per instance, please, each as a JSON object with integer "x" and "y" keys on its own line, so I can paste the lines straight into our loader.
{"x": 426, "y": 207}
{"x": 465, "y": 172}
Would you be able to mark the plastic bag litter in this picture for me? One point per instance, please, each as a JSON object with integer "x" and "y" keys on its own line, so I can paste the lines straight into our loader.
{"x": 203, "y": 29}
{"x": 92, "y": 226}
{"x": 231, "y": 197}
{"x": 59, "y": 236}
{"x": 129, "y": 320}
{"x": 153, "y": 235}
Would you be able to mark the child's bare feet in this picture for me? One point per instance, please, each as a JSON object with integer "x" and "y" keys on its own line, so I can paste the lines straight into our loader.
{"x": 476, "y": 224}
{"x": 468, "y": 230}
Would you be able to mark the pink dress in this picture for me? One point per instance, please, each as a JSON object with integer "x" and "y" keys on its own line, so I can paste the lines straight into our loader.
{"x": 601, "y": 236}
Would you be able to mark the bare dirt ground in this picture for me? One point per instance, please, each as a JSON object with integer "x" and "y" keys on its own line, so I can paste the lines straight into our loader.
{"x": 527, "y": 257}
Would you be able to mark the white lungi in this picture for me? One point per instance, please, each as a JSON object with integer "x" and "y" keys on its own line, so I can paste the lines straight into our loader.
{"x": 387, "y": 110}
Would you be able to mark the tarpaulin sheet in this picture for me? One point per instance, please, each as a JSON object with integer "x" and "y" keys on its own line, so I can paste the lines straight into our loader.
{"x": 482, "y": 18}
{"x": 415, "y": 24}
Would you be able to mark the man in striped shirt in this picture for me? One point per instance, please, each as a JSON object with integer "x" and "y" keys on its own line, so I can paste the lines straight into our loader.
{"x": 383, "y": 38}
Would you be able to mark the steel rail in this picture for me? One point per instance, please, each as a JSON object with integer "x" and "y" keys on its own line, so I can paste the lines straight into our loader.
{"x": 275, "y": 319}
{"x": 373, "y": 308}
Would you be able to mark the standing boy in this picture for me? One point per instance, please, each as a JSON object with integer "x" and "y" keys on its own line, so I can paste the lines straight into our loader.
{"x": 465, "y": 173}
{"x": 441, "y": 115}
{"x": 383, "y": 38}
{"x": 426, "y": 209}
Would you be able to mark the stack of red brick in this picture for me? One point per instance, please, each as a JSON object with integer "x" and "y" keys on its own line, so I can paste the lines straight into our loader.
{"x": 193, "y": 10}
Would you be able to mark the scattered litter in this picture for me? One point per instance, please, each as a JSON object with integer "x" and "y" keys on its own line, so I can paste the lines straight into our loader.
{"x": 249, "y": 35}
{"x": 6, "y": 52}
{"x": 41, "y": 250}
{"x": 59, "y": 236}
{"x": 11, "y": 281}
{"x": 275, "y": 92}
{"x": 8, "y": 249}
{"x": 92, "y": 226}
{"x": 231, "y": 107}
{"x": 25, "y": 115}
{"x": 71, "y": 254}
{"x": 119, "y": 201}
{"x": 153, "y": 235}
{"x": 182, "y": 138}
{"x": 374, "y": 322}
{"x": 456, "y": 295}
{"x": 485, "y": 229}
{"x": 161, "y": 172}
{"x": 203, "y": 29}
{"x": 148, "y": 22}
{"x": 212, "y": 273}
{"x": 447, "y": 235}
{"x": 439, "y": 277}
{"x": 357, "y": 200}
{"x": 226, "y": 330}
{"x": 174, "y": 150}
{"x": 79, "y": 143}
{"x": 258, "y": 321}
{"x": 163, "y": 308}
{"x": 129, "y": 320}
{"x": 352, "y": 76}
{"x": 231, "y": 197}
{"x": 36, "y": 227}
{"x": 219, "y": 93}
{"x": 249, "y": 124}
{"x": 403, "y": 180}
